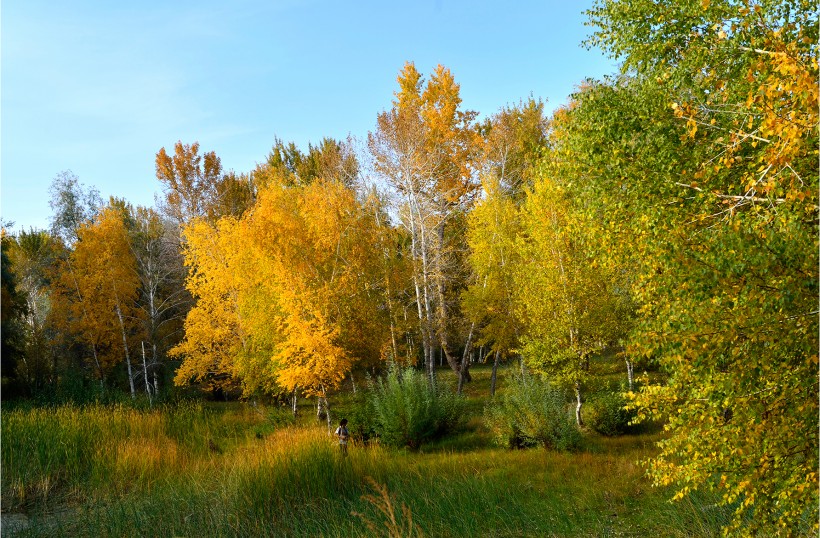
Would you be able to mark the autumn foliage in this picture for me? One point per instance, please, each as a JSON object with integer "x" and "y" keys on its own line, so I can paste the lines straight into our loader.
{"x": 289, "y": 295}
{"x": 667, "y": 214}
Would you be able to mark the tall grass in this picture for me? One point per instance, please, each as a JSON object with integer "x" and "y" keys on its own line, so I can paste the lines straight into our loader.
{"x": 118, "y": 472}
{"x": 70, "y": 451}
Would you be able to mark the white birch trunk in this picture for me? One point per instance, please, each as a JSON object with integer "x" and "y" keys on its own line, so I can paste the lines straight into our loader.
{"x": 125, "y": 345}
{"x": 465, "y": 358}
{"x": 578, "y": 404}
{"x": 145, "y": 374}
{"x": 630, "y": 374}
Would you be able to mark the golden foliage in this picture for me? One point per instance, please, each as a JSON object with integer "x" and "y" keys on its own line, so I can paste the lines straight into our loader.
{"x": 288, "y": 295}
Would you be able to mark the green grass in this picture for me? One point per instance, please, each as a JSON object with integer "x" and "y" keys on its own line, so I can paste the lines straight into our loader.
{"x": 240, "y": 470}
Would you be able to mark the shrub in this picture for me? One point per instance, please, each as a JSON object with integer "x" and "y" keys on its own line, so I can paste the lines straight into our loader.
{"x": 408, "y": 411}
{"x": 358, "y": 410}
{"x": 532, "y": 412}
{"x": 607, "y": 415}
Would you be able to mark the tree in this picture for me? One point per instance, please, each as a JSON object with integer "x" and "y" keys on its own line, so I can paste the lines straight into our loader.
{"x": 290, "y": 296}
{"x": 727, "y": 277}
{"x": 195, "y": 185}
{"x": 13, "y": 310}
{"x": 212, "y": 326}
{"x": 489, "y": 301}
{"x": 331, "y": 160}
{"x": 96, "y": 292}
{"x": 33, "y": 256}
{"x": 567, "y": 301}
{"x": 424, "y": 148}
{"x": 73, "y": 204}
{"x": 514, "y": 139}
{"x": 163, "y": 300}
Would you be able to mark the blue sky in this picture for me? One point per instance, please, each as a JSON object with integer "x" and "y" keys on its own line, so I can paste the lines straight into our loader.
{"x": 99, "y": 87}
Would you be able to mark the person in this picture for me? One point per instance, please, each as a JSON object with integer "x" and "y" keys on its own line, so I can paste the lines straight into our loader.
{"x": 343, "y": 435}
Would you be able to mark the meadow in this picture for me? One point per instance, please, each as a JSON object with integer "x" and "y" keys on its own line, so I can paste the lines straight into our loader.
{"x": 195, "y": 468}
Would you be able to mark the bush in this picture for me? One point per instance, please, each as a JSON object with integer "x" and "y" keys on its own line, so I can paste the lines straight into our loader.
{"x": 407, "y": 411}
{"x": 532, "y": 412}
{"x": 358, "y": 410}
{"x": 607, "y": 414}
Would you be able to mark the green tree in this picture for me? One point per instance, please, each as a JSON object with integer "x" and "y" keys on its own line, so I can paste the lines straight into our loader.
{"x": 724, "y": 239}
{"x": 514, "y": 139}
{"x": 33, "y": 255}
{"x": 72, "y": 203}
{"x": 567, "y": 300}
{"x": 331, "y": 160}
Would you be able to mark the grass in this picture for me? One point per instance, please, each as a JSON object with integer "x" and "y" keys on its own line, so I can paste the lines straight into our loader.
{"x": 240, "y": 470}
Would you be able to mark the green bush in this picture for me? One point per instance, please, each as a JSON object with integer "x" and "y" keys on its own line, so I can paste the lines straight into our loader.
{"x": 532, "y": 412}
{"x": 358, "y": 410}
{"x": 407, "y": 411}
{"x": 607, "y": 414}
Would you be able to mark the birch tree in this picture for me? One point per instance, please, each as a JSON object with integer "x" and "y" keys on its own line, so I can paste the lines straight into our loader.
{"x": 97, "y": 292}
{"x": 566, "y": 298}
{"x": 163, "y": 300}
{"x": 514, "y": 139}
{"x": 707, "y": 156}
{"x": 424, "y": 148}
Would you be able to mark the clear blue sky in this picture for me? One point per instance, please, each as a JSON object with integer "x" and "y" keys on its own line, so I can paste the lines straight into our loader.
{"x": 100, "y": 87}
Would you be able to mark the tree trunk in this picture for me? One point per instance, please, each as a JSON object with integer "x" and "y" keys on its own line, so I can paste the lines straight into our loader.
{"x": 319, "y": 410}
{"x": 322, "y": 408}
{"x": 426, "y": 343}
{"x": 442, "y": 310}
{"x": 327, "y": 411}
{"x": 463, "y": 371}
{"x": 495, "y": 371}
{"x": 97, "y": 362}
{"x": 154, "y": 363}
{"x": 630, "y": 374}
{"x": 578, "y": 405}
{"x": 293, "y": 403}
{"x": 145, "y": 373}
{"x": 127, "y": 357}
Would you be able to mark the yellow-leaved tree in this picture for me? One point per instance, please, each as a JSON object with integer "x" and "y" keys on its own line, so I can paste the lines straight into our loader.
{"x": 212, "y": 330}
{"x": 567, "y": 300}
{"x": 289, "y": 297}
{"x": 95, "y": 295}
